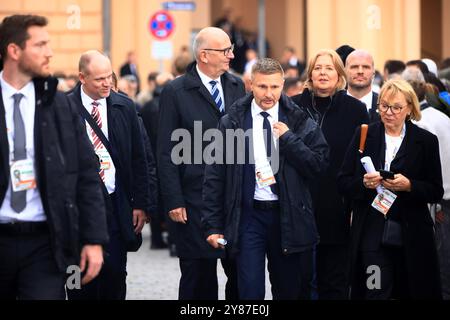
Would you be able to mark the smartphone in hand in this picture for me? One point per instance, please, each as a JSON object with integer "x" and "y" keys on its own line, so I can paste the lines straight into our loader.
{"x": 386, "y": 174}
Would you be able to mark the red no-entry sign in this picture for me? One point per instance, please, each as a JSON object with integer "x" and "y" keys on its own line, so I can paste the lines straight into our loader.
{"x": 161, "y": 25}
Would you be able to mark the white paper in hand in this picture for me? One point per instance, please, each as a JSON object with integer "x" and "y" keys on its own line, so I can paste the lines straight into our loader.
{"x": 368, "y": 165}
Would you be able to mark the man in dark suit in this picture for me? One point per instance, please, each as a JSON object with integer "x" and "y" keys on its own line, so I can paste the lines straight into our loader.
{"x": 262, "y": 211}
{"x": 194, "y": 103}
{"x": 57, "y": 210}
{"x": 130, "y": 68}
{"x": 360, "y": 71}
{"x": 114, "y": 131}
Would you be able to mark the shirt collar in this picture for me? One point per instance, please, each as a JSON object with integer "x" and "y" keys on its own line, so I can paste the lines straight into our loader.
{"x": 367, "y": 99}
{"x": 205, "y": 79}
{"x": 87, "y": 101}
{"x": 8, "y": 91}
{"x": 273, "y": 112}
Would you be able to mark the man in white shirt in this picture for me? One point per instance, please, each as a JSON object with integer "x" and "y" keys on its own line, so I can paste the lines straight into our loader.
{"x": 263, "y": 207}
{"x": 195, "y": 100}
{"x": 51, "y": 203}
{"x": 119, "y": 146}
{"x": 360, "y": 71}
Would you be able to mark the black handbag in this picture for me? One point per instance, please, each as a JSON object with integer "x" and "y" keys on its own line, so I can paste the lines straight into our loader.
{"x": 392, "y": 234}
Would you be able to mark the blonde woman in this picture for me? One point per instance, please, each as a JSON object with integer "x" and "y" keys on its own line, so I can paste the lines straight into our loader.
{"x": 406, "y": 268}
{"x": 338, "y": 114}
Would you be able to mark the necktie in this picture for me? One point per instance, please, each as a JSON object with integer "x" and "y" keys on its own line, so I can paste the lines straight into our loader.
{"x": 18, "y": 198}
{"x": 268, "y": 134}
{"x": 95, "y": 139}
{"x": 216, "y": 95}
{"x": 268, "y": 141}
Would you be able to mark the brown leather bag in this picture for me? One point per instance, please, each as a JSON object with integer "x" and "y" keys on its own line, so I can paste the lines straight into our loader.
{"x": 363, "y": 137}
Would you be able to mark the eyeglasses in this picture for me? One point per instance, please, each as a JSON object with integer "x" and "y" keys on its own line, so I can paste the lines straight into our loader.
{"x": 395, "y": 109}
{"x": 225, "y": 51}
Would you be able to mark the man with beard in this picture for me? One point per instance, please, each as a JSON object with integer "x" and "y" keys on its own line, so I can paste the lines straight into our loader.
{"x": 58, "y": 210}
{"x": 359, "y": 68}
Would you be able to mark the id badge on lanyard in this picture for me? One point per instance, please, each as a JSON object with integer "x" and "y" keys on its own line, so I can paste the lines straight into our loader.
{"x": 22, "y": 175}
{"x": 264, "y": 175}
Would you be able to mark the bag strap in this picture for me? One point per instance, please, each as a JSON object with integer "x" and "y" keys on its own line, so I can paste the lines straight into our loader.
{"x": 363, "y": 137}
{"x": 86, "y": 116}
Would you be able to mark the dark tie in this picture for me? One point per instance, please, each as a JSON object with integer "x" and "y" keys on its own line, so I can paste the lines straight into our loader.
{"x": 18, "y": 198}
{"x": 268, "y": 134}
{"x": 216, "y": 95}
{"x": 268, "y": 141}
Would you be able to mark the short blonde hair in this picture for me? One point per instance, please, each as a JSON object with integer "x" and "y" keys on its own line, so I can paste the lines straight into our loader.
{"x": 395, "y": 86}
{"x": 337, "y": 63}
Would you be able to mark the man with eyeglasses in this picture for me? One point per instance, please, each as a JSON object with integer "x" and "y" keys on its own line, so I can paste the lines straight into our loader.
{"x": 201, "y": 96}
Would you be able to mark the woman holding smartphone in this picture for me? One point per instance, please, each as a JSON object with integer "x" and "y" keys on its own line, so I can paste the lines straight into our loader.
{"x": 406, "y": 268}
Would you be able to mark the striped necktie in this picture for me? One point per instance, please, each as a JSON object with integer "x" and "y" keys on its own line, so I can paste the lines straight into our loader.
{"x": 216, "y": 95}
{"x": 95, "y": 139}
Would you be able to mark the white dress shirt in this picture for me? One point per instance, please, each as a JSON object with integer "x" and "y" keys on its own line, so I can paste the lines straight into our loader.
{"x": 392, "y": 146}
{"x": 205, "y": 80}
{"x": 367, "y": 100}
{"x": 110, "y": 174}
{"x": 259, "y": 147}
{"x": 34, "y": 210}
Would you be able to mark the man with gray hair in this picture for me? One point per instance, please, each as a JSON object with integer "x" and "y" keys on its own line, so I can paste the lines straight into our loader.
{"x": 194, "y": 103}
{"x": 259, "y": 210}
{"x": 360, "y": 71}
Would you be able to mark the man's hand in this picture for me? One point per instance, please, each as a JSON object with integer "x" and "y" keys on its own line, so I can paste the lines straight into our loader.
{"x": 178, "y": 215}
{"x": 212, "y": 240}
{"x": 280, "y": 128}
{"x": 399, "y": 183}
{"x": 139, "y": 219}
{"x": 92, "y": 257}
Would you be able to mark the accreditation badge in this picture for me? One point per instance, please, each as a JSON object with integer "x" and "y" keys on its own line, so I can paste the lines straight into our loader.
{"x": 22, "y": 175}
{"x": 384, "y": 201}
{"x": 104, "y": 158}
{"x": 264, "y": 175}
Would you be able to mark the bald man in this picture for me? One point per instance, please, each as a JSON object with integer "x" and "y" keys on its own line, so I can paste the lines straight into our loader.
{"x": 360, "y": 71}
{"x": 203, "y": 94}
{"x": 112, "y": 126}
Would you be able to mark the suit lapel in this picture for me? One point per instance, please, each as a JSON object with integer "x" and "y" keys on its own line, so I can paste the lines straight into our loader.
{"x": 373, "y": 114}
{"x": 194, "y": 81}
{"x": 406, "y": 148}
{"x": 4, "y": 145}
{"x": 205, "y": 93}
{"x": 227, "y": 86}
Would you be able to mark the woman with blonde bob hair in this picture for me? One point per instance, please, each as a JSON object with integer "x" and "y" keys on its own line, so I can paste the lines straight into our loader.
{"x": 338, "y": 114}
{"x": 395, "y": 236}
{"x": 338, "y": 65}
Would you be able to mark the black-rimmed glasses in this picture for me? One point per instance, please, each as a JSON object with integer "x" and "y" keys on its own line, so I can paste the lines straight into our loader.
{"x": 225, "y": 51}
{"x": 395, "y": 109}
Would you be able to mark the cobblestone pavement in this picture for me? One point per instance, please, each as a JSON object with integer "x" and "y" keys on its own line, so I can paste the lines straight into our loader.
{"x": 154, "y": 275}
